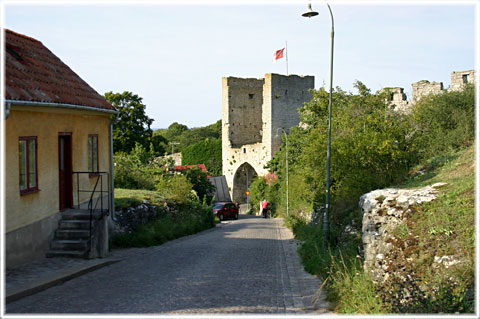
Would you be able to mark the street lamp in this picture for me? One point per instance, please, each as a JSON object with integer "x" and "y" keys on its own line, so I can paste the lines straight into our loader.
{"x": 173, "y": 143}
{"x": 326, "y": 218}
{"x": 286, "y": 160}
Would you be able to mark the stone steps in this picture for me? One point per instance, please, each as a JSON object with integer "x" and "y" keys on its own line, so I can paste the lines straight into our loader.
{"x": 74, "y": 224}
{"x": 72, "y": 238}
{"x": 72, "y": 234}
{"x": 69, "y": 244}
{"x": 79, "y": 214}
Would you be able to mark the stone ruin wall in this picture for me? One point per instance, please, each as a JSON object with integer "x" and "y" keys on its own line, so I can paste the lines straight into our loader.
{"x": 397, "y": 99}
{"x": 461, "y": 78}
{"x": 284, "y": 95}
{"x": 423, "y": 88}
{"x": 252, "y": 110}
{"x": 244, "y": 98}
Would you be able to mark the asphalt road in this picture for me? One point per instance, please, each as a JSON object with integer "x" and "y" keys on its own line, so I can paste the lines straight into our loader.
{"x": 246, "y": 266}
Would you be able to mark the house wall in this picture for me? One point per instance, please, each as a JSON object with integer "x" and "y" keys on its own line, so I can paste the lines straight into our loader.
{"x": 37, "y": 214}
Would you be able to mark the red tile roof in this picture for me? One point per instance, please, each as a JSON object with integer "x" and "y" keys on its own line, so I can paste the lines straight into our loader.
{"x": 185, "y": 167}
{"x": 33, "y": 73}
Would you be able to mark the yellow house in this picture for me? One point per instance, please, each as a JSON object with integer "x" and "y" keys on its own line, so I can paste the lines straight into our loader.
{"x": 58, "y": 143}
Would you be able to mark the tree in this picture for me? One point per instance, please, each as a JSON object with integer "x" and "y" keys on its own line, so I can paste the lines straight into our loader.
{"x": 175, "y": 129}
{"x": 200, "y": 183}
{"x": 132, "y": 124}
{"x": 186, "y": 137}
{"x": 159, "y": 145}
{"x": 208, "y": 152}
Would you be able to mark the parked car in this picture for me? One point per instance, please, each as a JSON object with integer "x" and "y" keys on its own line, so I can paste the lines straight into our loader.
{"x": 224, "y": 210}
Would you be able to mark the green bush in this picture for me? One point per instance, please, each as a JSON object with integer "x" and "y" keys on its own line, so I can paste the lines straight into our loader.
{"x": 200, "y": 183}
{"x": 444, "y": 122}
{"x": 374, "y": 147}
{"x": 137, "y": 169}
{"x": 258, "y": 188}
{"x": 176, "y": 188}
{"x": 350, "y": 290}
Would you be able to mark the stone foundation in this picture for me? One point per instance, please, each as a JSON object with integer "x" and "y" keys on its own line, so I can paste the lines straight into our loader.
{"x": 30, "y": 242}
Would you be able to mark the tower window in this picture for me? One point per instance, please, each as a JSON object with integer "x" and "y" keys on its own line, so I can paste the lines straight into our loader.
{"x": 250, "y": 96}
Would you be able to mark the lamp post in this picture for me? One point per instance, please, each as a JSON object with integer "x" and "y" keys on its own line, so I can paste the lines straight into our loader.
{"x": 286, "y": 160}
{"x": 326, "y": 218}
{"x": 173, "y": 143}
{"x": 247, "y": 192}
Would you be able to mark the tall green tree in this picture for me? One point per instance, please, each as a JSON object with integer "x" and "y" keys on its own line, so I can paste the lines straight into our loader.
{"x": 186, "y": 137}
{"x": 371, "y": 148}
{"x": 174, "y": 130}
{"x": 200, "y": 183}
{"x": 132, "y": 124}
{"x": 208, "y": 152}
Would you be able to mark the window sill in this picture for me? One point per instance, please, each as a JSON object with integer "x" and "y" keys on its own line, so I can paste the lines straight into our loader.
{"x": 29, "y": 191}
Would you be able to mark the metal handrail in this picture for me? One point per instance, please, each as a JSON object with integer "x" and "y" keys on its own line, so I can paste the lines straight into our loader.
{"x": 90, "y": 205}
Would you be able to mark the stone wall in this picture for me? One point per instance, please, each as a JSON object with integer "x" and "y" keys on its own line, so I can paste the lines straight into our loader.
{"x": 244, "y": 99}
{"x": 424, "y": 88}
{"x": 383, "y": 210}
{"x": 176, "y": 157}
{"x": 461, "y": 78}
{"x": 283, "y": 96}
{"x": 252, "y": 111}
{"x": 397, "y": 99}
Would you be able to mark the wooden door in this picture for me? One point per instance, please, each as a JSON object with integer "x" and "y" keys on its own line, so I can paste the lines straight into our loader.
{"x": 65, "y": 170}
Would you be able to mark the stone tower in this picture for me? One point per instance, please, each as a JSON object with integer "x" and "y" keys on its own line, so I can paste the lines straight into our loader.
{"x": 462, "y": 78}
{"x": 252, "y": 111}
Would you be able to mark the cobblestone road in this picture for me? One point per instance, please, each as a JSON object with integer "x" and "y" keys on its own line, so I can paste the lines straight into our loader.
{"x": 245, "y": 266}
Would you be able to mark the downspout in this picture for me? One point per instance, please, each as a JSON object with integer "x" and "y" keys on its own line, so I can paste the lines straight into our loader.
{"x": 112, "y": 196}
{"x": 7, "y": 109}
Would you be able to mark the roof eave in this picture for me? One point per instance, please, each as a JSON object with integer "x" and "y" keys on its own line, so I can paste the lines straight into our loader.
{"x": 8, "y": 104}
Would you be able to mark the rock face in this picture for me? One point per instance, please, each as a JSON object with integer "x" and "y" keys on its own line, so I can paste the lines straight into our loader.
{"x": 383, "y": 210}
{"x": 129, "y": 220}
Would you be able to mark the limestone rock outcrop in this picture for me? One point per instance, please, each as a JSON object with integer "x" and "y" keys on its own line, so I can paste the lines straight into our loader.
{"x": 383, "y": 210}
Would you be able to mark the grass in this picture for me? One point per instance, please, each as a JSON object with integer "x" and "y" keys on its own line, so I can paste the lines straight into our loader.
{"x": 125, "y": 198}
{"x": 444, "y": 227}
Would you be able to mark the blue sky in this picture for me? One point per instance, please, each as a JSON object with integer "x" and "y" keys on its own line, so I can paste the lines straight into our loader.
{"x": 174, "y": 54}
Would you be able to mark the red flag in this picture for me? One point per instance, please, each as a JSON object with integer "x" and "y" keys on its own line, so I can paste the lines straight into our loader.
{"x": 279, "y": 54}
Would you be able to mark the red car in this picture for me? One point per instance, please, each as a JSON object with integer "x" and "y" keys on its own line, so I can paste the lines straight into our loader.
{"x": 224, "y": 210}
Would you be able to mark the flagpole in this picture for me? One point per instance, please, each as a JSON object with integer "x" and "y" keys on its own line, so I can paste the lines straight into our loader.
{"x": 286, "y": 55}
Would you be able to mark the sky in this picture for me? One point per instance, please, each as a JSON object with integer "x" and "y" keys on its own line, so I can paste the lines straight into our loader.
{"x": 174, "y": 54}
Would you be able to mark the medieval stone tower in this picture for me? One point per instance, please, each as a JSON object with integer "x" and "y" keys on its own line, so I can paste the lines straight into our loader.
{"x": 252, "y": 111}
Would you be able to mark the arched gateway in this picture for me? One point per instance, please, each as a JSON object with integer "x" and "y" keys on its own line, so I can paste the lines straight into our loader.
{"x": 252, "y": 111}
{"x": 241, "y": 182}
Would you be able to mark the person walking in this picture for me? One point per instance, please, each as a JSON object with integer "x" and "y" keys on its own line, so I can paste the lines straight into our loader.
{"x": 265, "y": 208}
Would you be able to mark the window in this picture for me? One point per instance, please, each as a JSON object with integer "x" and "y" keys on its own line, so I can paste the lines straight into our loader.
{"x": 93, "y": 153}
{"x": 465, "y": 78}
{"x": 27, "y": 149}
